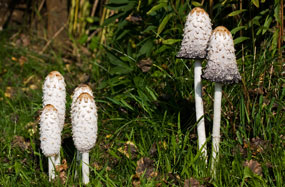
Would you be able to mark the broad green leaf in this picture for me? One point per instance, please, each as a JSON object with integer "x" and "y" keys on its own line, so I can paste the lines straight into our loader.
{"x": 240, "y": 39}
{"x": 146, "y": 48}
{"x": 112, "y": 19}
{"x": 125, "y": 6}
{"x": 125, "y": 104}
{"x": 151, "y": 93}
{"x": 170, "y": 41}
{"x": 235, "y": 30}
{"x": 119, "y": 1}
{"x": 255, "y": 2}
{"x": 195, "y": 3}
{"x": 164, "y": 22}
{"x": 267, "y": 24}
{"x": 237, "y": 12}
{"x": 121, "y": 70}
{"x": 156, "y": 7}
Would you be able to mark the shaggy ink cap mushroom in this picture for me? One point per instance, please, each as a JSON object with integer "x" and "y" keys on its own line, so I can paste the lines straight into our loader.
{"x": 221, "y": 66}
{"x": 54, "y": 93}
{"x": 50, "y": 132}
{"x": 197, "y": 32}
{"x": 84, "y": 122}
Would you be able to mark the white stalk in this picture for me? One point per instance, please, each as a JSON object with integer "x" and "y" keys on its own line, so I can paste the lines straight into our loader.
{"x": 216, "y": 123}
{"x": 199, "y": 108}
{"x": 57, "y": 160}
{"x": 78, "y": 160}
{"x": 51, "y": 167}
{"x": 85, "y": 167}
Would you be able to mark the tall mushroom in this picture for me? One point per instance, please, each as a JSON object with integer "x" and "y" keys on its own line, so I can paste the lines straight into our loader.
{"x": 84, "y": 128}
{"x": 50, "y": 136}
{"x": 54, "y": 93}
{"x": 221, "y": 69}
{"x": 82, "y": 88}
{"x": 197, "y": 32}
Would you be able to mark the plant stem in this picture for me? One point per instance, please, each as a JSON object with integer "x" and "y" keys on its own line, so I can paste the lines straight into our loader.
{"x": 85, "y": 168}
{"x": 199, "y": 108}
{"x": 216, "y": 123}
{"x": 51, "y": 167}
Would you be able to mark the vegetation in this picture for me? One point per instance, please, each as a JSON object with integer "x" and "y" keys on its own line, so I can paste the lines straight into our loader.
{"x": 147, "y": 127}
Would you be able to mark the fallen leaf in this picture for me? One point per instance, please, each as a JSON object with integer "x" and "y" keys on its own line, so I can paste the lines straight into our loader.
{"x": 33, "y": 87}
{"x": 145, "y": 65}
{"x": 134, "y": 19}
{"x": 19, "y": 141}
{"x": 9, "y": 92}
{"x": 83, "y": 77}
{"x": 62, "y": 169}
{"x": 14, "y": 59}
{"x": 108, "y": 136}
{"x": 97, "y": 166}
{"x": 32, "y": 128}
{"x": 129, "y": 149}
{"x": 136, "y": 181}
{"x": 22, "y": 60}
{"x": 153, "y": 150}
{"x": 27, "y": 80}
{"x": 192, "y": 182}
{"x": 174, "y": 178}
{"x": 254, "y": 166}
{"x": 146, "y": 168}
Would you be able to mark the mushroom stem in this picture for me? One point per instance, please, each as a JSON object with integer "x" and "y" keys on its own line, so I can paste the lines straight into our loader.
{"x": 57, "y": 160}
{"x": 199, "y": 108}
{"x": 216, "y": 123}
{"x": 51, "y": 167}
{"x": 85, "y": 167}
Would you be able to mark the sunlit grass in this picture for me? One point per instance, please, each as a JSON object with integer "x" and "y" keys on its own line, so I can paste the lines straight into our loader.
{"x": 154, "y": 110}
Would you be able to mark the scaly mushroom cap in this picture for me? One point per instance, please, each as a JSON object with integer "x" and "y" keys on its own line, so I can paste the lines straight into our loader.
{"x": 54, "y": 93}
{"x": 84, "y": 122}
{"x": 221, "y": 66}
{"x": 82, "y": 88}
{"x": 50, "y": 132}
{"x": 197, "y": 32}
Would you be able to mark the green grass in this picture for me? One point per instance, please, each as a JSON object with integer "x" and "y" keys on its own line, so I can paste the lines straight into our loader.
{"x": 152, "y": 109}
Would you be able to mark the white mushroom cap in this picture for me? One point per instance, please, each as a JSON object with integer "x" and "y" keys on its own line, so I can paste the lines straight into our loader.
{"x": 49, "y": 131}
{"x": 221, "y": 66}
{"x": 54, "y": 93}
{"x": 82, "y": 88}
{"x": 197, "y": 32}
{"x": 84, "y": 122}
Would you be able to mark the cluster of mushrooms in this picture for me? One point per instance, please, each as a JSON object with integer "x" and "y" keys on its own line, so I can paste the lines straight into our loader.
{"x": 217, "y": 47}
{"x": 199, "y": 42}
{"x": 83, "y": 119}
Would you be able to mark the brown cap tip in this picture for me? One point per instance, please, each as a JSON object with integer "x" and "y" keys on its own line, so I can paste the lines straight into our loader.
{"x": 84, "y": 96}
{"x": 49, "y": 107}
{"x": 198, "y": 10}
{"x": 83, "y": 86}
{"x": 221, "y": 29}
{"x": 55, "y": 74}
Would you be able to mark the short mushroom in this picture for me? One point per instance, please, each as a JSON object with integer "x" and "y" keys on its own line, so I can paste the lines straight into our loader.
{"x": 221, "y": 69}
{"x": 197, "y": 32}
{"x": 50, "y": 136}
{"x": 84, "y": 129}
